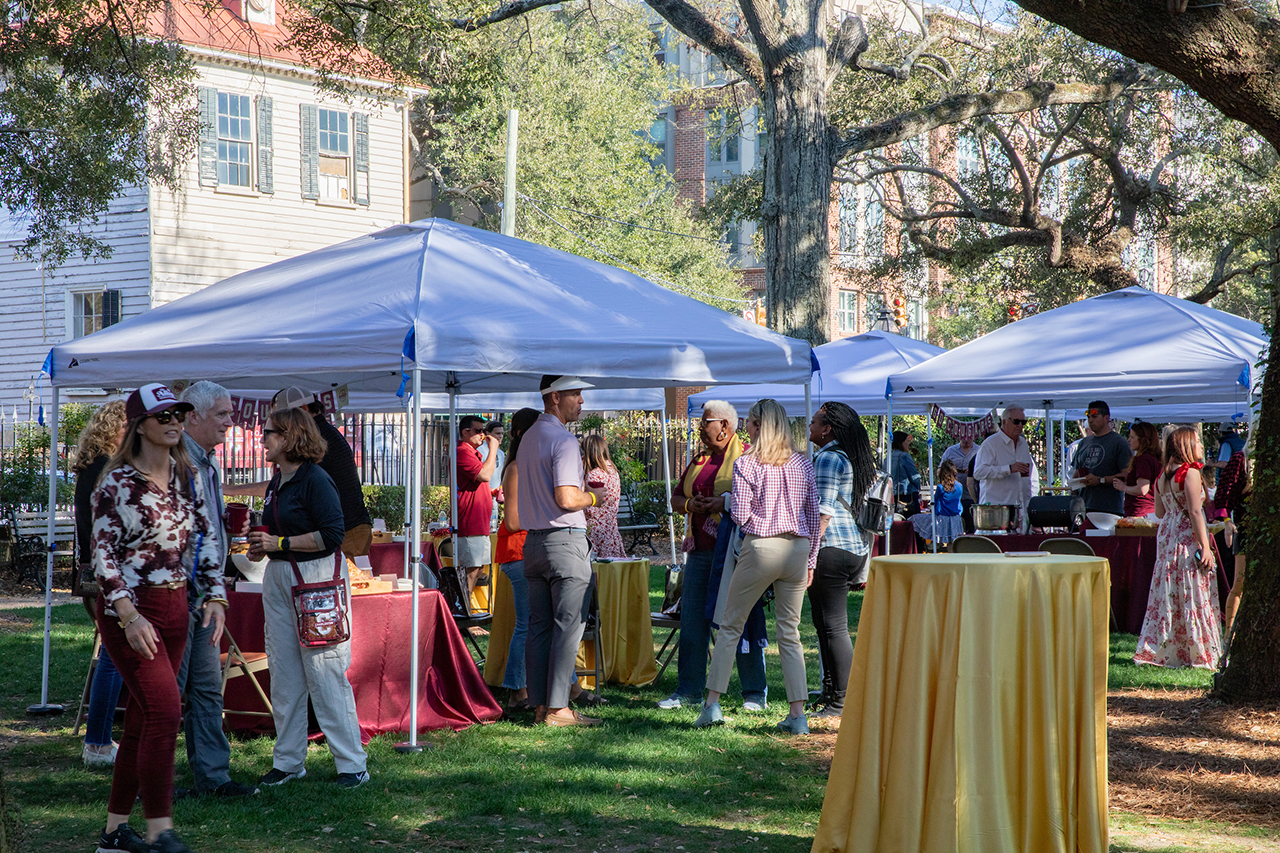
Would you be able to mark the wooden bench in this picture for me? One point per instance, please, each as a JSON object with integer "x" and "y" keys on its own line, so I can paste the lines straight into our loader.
{"x": 30, "y": 549}
{"x": 638, "y": 526}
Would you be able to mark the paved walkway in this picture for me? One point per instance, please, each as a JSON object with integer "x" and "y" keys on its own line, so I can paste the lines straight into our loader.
{"x": 14, "y": 602}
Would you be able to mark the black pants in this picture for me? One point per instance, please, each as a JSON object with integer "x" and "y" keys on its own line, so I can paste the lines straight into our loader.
{"x": 836, "y": 573}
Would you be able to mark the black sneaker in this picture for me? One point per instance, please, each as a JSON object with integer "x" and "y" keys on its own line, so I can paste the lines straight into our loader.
{"x": 353, "y": 780}
{"x": 169, "y": 842}
{"x": 232, "y": 788}
{"x": 123, "y": 838}
{"x": 279, "y": 777}
{"x": 184, "y": 794}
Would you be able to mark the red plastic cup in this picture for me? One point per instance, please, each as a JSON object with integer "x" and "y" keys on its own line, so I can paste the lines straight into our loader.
{"x": 261, "y": 528}
{"x": 237, "y": 515}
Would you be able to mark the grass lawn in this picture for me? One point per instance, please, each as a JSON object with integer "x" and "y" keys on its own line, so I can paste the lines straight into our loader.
{"x": 645, "y": 780}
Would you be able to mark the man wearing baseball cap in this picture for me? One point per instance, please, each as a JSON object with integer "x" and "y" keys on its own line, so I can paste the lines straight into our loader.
{"x": 550, "y": 502}
{"x": 338, "y": 462}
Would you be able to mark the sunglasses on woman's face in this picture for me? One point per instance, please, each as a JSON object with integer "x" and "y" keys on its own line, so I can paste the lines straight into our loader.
{"x": 170, "y": 415}
{"x": 266, "y": 431}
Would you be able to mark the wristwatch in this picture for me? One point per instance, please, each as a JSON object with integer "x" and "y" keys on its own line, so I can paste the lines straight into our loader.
{"x": 284, "y": 543}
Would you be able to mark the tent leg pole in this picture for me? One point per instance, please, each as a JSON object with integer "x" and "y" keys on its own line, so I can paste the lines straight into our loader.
{"x": 44, "y": 708}
{"x": 808, "y": 416}
{"x": 1048, "y": 446}
{"x": 415, "y": 544}
{"x": 888, "y": 467}
{"x": 666, "y": 477}
{"x": 933, "y": 505}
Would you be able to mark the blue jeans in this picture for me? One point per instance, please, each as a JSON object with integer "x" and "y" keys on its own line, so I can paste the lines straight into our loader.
{"x": 104, "y": 694}
{"x": 200, "y": 680}
{"x": 695, "y": 638}
{"x": 514, "y": 678}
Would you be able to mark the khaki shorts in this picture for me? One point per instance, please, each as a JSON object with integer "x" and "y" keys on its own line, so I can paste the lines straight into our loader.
{"x": 357, "y": 541}
{"x": 473, "y": 551}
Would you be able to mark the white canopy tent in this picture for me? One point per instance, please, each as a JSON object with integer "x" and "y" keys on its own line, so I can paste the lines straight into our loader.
{"x": 428, "y": 304}
{"x": 1131, "y": 347}
{"x": 853, "y": 370}
{"x": 1134, "y": 348}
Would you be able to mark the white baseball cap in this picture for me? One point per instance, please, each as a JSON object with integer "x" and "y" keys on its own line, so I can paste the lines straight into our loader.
{"x": 566, "y": 383}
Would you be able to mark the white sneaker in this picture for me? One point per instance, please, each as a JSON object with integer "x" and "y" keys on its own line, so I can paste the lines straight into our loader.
{"x": 671, "y": 703}
{"x": 753, "y": 707}
{"x": 97, "y": 756}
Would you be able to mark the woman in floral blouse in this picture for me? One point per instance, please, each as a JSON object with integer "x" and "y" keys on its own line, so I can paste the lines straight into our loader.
{"x": 147, "y": 512}
{"x": 602, "y": 520}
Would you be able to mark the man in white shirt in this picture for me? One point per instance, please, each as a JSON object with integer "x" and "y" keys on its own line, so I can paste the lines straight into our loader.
{"x": 1003, "y": 464}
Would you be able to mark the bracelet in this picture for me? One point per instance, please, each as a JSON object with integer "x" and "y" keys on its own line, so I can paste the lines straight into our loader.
{"x": 593, "y": 498}
{"x": 221, "y": 601}
{"x": 124, "y": 625}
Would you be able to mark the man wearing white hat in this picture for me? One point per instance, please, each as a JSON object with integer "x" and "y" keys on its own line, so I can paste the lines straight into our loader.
{"x": 550, "y": 502}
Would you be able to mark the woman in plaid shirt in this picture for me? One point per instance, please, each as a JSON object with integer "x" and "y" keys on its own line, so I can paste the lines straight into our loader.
{"x": 775, "y": 503}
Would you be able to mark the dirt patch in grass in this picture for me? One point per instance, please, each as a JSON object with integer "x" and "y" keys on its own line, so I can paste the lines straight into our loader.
{"x": 1173, "y": 754}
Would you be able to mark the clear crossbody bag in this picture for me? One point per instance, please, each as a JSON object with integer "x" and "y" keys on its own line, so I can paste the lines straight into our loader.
{"x": 321, "y": 607}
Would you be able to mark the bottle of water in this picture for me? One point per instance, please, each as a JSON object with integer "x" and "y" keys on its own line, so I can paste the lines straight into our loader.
{"x": 443, "y": 519}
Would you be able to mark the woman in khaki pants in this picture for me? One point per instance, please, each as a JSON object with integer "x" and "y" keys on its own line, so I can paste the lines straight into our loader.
{"x": 775, "y": 503}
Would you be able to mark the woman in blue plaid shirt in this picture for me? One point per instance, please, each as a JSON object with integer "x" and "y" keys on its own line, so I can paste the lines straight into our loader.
{"x": 845, "y": 468}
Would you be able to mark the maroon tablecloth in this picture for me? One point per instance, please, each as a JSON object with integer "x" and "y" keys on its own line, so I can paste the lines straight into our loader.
{"x": 451, "y": 692}
{"x": 902, "y": 540}
{"x": 388, "y": 559}
{"x": 1132, "y": 558}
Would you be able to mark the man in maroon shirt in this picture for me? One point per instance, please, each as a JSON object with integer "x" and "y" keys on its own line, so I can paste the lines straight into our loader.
{"x": 475, "y": 502}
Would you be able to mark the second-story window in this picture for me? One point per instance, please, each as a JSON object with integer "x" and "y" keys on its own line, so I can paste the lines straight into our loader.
{"x": 335, "y": 155}
{"x": 234, "y": 140}
{"x": 968, "y": 155}
{"x": 335, "y": 161}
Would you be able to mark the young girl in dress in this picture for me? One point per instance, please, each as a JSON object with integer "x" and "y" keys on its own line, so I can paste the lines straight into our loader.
{"x": 1182, "y": 626}
{"x": 946, "y": 502}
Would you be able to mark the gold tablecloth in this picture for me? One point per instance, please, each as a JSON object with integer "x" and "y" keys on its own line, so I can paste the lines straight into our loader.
{"x": 626, "y": 631}
{"x": 975, "y": 720}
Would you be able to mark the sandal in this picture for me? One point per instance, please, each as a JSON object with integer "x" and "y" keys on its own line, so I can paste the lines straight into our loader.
{"x": 588, "y": 699}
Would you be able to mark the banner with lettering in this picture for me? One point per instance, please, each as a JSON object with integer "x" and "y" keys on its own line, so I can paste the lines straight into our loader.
{"x": 974, "y": 430}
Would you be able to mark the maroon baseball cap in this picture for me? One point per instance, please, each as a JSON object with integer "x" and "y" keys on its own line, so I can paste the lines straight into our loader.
{"x": 153, "y": 398}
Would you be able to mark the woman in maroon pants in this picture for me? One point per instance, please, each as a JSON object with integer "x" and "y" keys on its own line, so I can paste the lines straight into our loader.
{"x": 147, "y": 511}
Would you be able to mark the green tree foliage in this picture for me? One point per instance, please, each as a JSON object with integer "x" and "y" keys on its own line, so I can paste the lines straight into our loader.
{"x": 92, "y": 100}
{"x": 587, "y": 88}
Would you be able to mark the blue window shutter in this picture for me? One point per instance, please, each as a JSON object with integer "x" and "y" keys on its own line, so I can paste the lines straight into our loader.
{"x": 266, "y": 155}
{"x": 310, "y": 151}
{"x": 362, "y": 158}
{"x": 208, "y": 136}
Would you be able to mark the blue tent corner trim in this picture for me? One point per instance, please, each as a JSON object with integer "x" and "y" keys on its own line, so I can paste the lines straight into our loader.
{"x": 47, "y": 367}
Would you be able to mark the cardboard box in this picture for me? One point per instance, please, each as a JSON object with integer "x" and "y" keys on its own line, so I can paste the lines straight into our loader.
{"x": 381, "y": 537}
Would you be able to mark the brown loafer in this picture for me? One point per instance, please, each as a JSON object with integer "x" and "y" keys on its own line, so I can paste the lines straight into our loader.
{"x": 570, "y": 717}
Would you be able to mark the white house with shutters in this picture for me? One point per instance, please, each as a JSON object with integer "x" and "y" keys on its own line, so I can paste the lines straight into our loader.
{"x": 281, "y": 169}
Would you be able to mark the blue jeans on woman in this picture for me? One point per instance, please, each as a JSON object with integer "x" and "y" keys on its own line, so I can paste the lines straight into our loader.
{"x": 104, "y": 693}
{"x": 514, "y": 676}
{"x": 695, "y": 639}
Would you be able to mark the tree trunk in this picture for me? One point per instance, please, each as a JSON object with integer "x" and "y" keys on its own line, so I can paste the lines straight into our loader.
{"x": 1253, "y": 668}
{"x": 797, "y": 194}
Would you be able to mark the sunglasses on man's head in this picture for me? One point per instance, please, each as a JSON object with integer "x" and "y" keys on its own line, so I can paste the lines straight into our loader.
{"x": 169, "y": 415}
{"x": 1092, "y": 412}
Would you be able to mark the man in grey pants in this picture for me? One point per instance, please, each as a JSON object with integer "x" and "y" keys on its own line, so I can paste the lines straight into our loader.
{"x": 550, "y": 501}
{"x": 200, "y": 678}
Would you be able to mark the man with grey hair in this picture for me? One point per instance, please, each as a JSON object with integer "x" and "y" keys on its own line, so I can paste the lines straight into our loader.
{"x": 1003, "y": 464}
{"x": 200, "y": 678}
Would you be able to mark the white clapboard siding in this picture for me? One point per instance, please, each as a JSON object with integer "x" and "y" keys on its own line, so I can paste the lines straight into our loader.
{"x": 169, "y": 244}
{"x": 206, "y": 234}
{"x": 29, "y": 333}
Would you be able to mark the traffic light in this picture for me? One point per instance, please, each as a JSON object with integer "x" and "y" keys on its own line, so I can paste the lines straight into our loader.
{"x": 899, "y": 311}
{"x": 1015, "y": 311}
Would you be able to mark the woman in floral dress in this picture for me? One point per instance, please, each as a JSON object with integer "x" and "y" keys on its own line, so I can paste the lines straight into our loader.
{"x": 1182, "y": 627}
{"x": 602, "y": 520}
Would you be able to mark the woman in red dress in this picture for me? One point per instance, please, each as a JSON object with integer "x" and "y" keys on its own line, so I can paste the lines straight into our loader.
{"x": 602, "y": 520}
